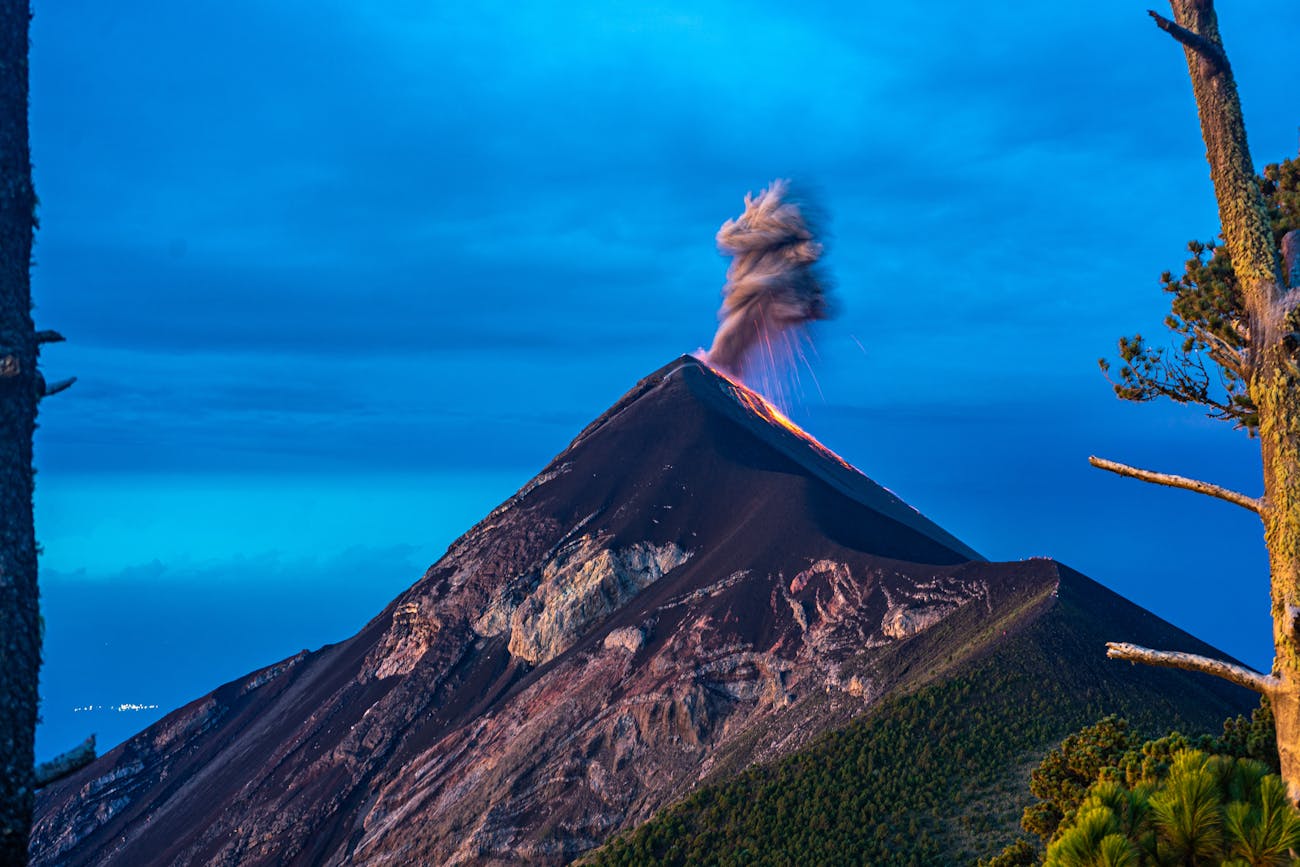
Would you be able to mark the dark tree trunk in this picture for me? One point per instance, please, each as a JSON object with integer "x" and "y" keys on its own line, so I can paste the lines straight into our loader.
{"x": 20, "y": 627}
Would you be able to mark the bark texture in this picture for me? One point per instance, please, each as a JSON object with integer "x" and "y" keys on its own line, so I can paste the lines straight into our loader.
{"x": 20, "y": 630}
{"x": 1276, "y": 391}
{"x": 1237, "y": 674}
{"x": 1274, "y": 381}
{"x": 1273, "y": 377}
{"x": 1172, "y": 481}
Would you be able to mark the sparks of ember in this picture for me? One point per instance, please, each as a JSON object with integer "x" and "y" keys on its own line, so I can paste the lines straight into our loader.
{"x": 774, "y": 288}
{"x": 764, "y": 409}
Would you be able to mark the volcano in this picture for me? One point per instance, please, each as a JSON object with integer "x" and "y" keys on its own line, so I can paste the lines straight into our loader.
{"x": 692, "y": 587}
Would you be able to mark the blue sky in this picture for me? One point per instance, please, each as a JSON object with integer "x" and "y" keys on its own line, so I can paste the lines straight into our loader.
{"x": 337, "y": 277}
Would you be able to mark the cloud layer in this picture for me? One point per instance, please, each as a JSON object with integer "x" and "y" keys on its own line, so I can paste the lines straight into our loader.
{"x": 336, "y": 240}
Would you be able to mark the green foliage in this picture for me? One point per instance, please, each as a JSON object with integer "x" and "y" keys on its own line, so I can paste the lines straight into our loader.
{"x": 1260, "y": 832}
{"x": 1019, "y": 854}
{"x": 1062, "y": 780}
{"x": 1096, "y": 837}
{"x": 1254, "y": 738}
{"x": 933, "y": 777}
{"x": 872, "y": 793}
{"x": 1110, "y": 750}
{"x": 1281, "y": 189}
{"x": 1200, "y": 809}
{"x": 1208, "y": 366}
{"x": 1106, "y": 797}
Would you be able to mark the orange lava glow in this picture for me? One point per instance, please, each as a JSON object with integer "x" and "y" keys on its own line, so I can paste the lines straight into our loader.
{"x": 760, "y": 406}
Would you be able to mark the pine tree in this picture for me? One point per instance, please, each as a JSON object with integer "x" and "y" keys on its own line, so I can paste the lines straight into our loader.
{"x": 1238, "y": 313}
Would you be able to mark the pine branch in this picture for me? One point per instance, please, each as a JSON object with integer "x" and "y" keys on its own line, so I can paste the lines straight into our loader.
{"x": 1182, "y": 375}
{"x": 65, "y": 764}
{"x": 1221, "y": 352}
{"x": 1252, "y": 503}
{"x": 1238, "y": 674}
{"x": 56, "y": 387}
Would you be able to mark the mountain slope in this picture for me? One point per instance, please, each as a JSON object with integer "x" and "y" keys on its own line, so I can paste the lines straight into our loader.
{"x": 940, "y": 775}
{"x": 691, "y": 587}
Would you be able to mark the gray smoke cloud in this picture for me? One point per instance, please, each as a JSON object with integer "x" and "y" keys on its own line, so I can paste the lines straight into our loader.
{"x": 774, "y": 284}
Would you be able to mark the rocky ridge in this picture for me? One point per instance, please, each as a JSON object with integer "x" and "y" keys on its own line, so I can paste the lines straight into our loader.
{"x": 692, "y": 586}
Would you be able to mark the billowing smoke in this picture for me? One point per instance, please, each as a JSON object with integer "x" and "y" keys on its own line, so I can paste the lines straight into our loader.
{"x": 774, "y": 285}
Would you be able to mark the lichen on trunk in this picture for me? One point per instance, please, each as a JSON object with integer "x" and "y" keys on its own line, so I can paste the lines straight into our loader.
{"x": 1277, "y": 392}
{"x": 1270, "y": 370}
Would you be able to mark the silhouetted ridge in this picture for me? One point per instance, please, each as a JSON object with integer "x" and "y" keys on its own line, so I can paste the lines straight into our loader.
{"x": 691, "y": 587}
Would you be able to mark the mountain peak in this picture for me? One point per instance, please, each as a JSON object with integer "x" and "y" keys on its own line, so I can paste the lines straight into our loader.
{"x": 688, "y": 380}
{"x": 694, "y": 585}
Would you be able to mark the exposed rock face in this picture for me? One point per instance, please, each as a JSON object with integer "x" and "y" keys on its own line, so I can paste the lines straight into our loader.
{"x": 582, "y": 584}
{"x": 919, "y": 607}
{"x": 688, "y": 588}
{"x": 406, "y": 642}
{"x": 629, "y": 638}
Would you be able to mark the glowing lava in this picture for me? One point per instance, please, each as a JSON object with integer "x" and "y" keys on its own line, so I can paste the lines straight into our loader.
{"x": 764, "y": 409}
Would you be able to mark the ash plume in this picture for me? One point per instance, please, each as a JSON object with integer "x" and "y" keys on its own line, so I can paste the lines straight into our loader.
{"x": 774, "y": 284}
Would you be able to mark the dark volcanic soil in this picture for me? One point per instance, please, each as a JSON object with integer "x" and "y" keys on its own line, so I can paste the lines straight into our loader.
{"x": 688, "y": 588}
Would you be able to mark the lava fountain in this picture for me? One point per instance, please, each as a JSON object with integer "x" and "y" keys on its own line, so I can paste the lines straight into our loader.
{"x": 774, "y": 288}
